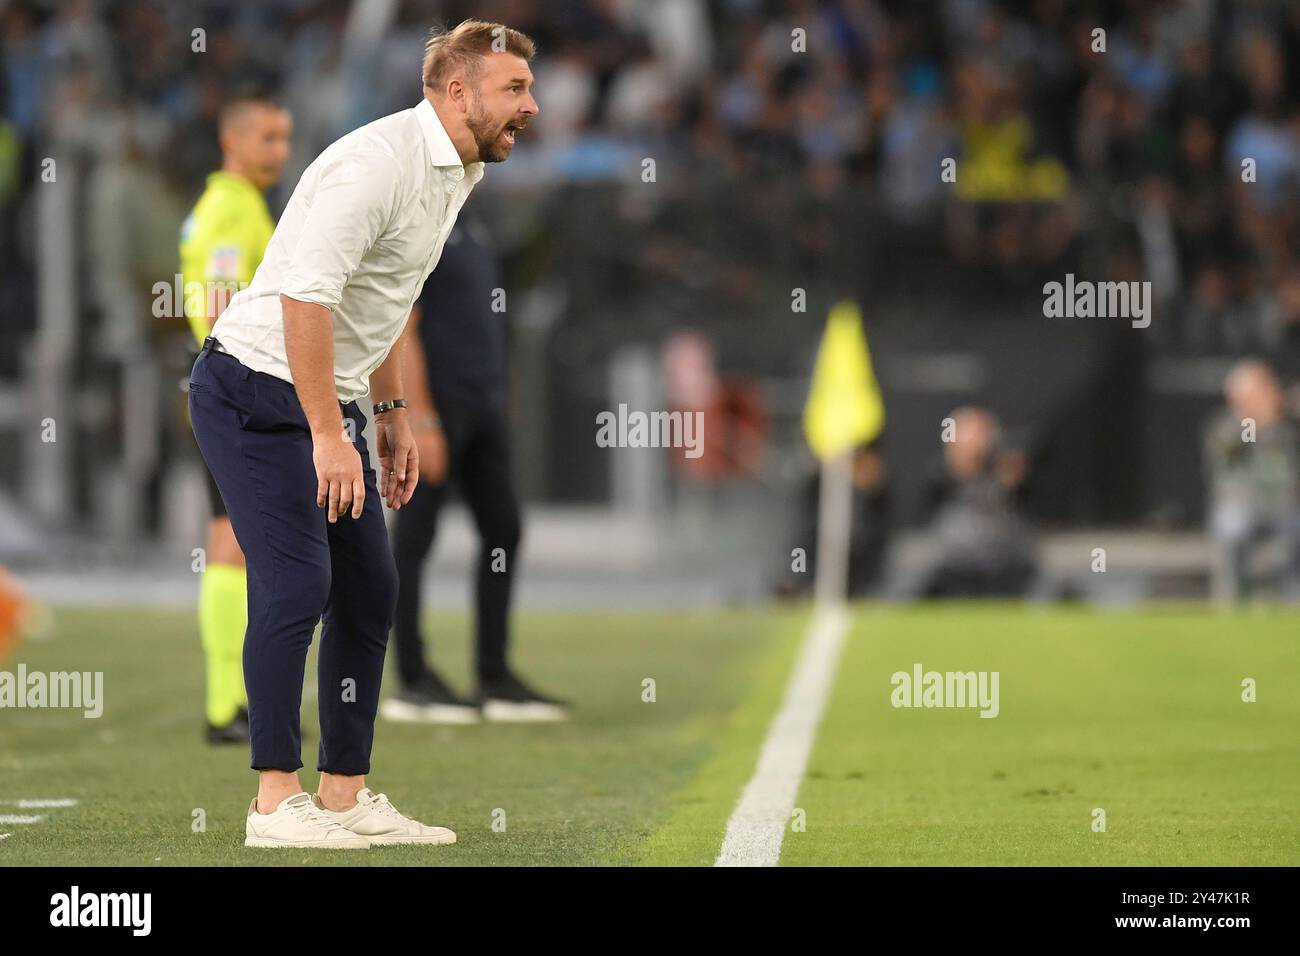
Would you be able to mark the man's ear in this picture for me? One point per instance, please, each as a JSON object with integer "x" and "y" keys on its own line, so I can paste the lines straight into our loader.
{"x": 458, "y": 95}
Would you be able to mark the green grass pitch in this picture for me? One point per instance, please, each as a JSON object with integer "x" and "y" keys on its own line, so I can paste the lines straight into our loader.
{"x": 1139, "y": 714}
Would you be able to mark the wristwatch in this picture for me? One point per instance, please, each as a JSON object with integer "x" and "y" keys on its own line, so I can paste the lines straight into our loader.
{"x": 382, "y": 407}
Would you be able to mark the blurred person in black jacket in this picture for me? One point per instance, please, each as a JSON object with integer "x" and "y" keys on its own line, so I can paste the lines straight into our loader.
{"x": 455, "y": 344}
{"x": 985, "y": 547}
{"x": 869, "y": 526}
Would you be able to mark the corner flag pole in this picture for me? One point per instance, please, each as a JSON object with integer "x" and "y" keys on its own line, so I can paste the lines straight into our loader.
{"x": 834, "y": 513}
{"x": 844, "y": 411}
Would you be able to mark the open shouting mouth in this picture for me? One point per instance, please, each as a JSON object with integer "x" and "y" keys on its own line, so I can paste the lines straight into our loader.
{"x": 510, "y": 130}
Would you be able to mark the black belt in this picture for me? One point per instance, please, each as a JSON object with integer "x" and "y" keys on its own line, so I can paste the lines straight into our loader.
{"x": 210, "y": 344}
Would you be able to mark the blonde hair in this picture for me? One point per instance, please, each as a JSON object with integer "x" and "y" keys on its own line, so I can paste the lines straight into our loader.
{"x": 463, "y": 49}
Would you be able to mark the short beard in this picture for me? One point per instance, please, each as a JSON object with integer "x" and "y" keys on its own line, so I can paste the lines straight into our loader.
{"x": 485, "y": 138}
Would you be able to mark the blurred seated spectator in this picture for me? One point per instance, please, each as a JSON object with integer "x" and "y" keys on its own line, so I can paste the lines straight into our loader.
{"x": 1253, "y": 473}
{"x": 1000, "y": 160}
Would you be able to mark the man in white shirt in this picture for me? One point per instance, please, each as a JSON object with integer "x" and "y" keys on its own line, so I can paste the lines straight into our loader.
{"x": 273, "y": 406}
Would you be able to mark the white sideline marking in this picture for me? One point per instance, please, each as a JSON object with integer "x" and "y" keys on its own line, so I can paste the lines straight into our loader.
{"x": 18, "y": 818}
{"x": 39, "y": 804}
{"x": 757, "y": 825}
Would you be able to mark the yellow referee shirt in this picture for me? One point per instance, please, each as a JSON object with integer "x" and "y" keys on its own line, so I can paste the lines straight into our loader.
{"x": 222, "y": 242}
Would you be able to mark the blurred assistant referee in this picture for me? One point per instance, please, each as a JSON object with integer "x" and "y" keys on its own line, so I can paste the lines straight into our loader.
{"x": 222, "y": 243}
{"x": 273, "y": 401}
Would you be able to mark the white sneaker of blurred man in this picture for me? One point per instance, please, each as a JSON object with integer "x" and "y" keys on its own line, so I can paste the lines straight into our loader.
{"x": 507, "y": 699}
{"x": 430, "y": 702}
{"x": 379, "y": 822}
{"x": 298, "y": 822}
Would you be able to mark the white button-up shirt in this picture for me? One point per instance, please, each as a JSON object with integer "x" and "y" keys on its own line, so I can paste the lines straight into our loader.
{"x": 362, "y": 231}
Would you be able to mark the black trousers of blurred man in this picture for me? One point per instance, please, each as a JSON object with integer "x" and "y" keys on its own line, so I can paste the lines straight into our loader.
{"x": 461, "y": 336}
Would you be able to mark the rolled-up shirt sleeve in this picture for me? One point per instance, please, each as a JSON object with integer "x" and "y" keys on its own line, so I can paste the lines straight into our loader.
{"x": 353, "y": 203}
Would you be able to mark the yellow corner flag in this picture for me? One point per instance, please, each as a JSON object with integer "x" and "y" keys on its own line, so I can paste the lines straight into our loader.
{"x": 844, "y": 407}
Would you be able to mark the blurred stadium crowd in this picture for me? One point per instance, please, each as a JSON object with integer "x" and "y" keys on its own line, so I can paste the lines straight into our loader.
{"x": 1135, "y": 150}
{"x": 1131, "y": 151}
{"x": 797, "y": 145}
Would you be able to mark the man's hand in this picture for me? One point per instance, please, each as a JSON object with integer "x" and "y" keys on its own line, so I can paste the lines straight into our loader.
{"x": 432, "y": 444}
{"x": 339, "y": 485}
{"x": 399, "y": 460}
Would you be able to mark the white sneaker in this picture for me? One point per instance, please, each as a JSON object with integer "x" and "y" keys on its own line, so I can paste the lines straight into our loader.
{"x": 378, "y": 821}
{"x": 523, "y": 711}
{"x": 509, "y": 700}
{"x": 298, "y": 822}
{"x": 409, "y": 712}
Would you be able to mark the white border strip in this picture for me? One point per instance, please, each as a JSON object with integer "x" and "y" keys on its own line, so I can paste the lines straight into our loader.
{"x": 757, "y": 826}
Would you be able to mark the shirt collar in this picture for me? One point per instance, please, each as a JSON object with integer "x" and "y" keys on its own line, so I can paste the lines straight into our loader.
{"x": 225, "y": 177}
{"x": 442, "y": 152}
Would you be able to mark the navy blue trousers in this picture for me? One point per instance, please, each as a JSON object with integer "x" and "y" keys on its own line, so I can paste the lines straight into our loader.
{"x": 256, "y": 441}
